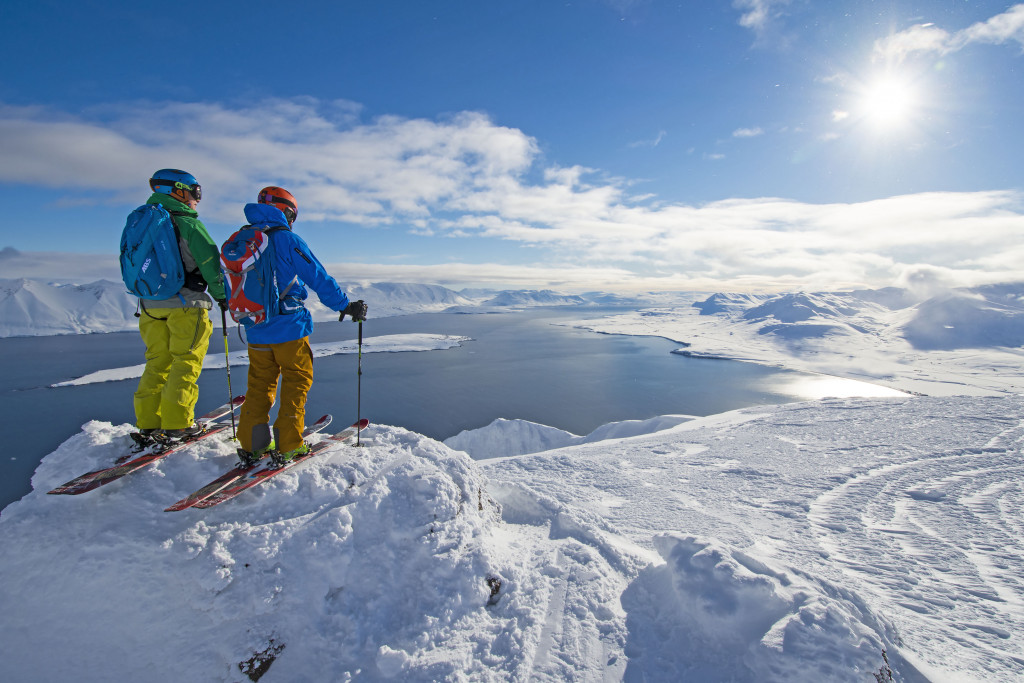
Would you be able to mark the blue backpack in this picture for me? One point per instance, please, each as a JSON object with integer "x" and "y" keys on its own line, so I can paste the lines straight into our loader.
{"x": 247, "y": 259}
{"x": 151, "y": 264}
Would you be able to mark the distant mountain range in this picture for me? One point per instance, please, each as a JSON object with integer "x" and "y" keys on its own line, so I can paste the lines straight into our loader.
{"x": 31, "y": 307}
{"x": 962, "y": 318}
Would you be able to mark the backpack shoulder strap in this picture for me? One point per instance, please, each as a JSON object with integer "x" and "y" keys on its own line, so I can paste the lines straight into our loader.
{"x": 194, "y": 279}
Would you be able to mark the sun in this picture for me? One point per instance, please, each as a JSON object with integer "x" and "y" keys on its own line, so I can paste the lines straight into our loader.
{"x": 888, "y": 101}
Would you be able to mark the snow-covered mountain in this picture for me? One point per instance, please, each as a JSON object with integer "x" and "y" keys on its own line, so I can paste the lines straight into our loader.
{"x": 529, "y": 297}
{"x": 726, "y": 303}
{"x": 823, "y": 541}
{"x": 33, "y": 308}
{"x": 971, "y": 319}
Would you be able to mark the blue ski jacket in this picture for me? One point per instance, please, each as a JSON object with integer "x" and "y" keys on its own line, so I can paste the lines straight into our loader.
{"x": 292, "y": 260}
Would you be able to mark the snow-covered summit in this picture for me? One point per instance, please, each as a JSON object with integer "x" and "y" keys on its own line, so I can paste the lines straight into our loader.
{"x": 723, "y": 302}
{"x": 787, "y": 543}
{"x": 799, "y": 307}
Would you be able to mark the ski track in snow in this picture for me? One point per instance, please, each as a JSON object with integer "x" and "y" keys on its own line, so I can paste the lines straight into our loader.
{"x": 890, "y": 529}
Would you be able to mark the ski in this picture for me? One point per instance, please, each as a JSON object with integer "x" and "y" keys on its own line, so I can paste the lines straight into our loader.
{"x": 97, "y": 478}
{"x": 228, "y": 478}
{"x": 268, "y": 470}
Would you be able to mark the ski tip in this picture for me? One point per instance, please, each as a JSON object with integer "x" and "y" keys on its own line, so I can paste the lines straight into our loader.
{"x": 238, "y": 400}
{"x": 363, "y": 424}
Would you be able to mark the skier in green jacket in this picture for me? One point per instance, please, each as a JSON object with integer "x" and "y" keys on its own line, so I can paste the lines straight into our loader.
{"x": 177, "y": 330}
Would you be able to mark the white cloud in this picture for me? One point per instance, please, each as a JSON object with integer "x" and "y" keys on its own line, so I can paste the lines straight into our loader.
{"x": 1002, "y": 28}
{"x": 747, "y": 132}
{"x": 654, "y": 142}
{"x": 757, "y": 14}
{"x": 341, "y": 169}
{"x": 464, "y": 178}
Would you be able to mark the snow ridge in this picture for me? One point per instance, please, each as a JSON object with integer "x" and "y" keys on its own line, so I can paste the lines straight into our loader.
{"x": 505, "y": 438}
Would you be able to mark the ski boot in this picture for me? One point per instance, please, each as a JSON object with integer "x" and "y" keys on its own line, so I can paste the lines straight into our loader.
{"x": 247, "y": 459}
{"x": 282, "y": 459}
{"x": 144, "y": 438}
{"x": 141, "y": 440}
{"x": 170, "y": 436}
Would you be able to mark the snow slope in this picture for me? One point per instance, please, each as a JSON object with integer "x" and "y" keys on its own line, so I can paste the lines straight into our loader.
{"x": 787, "y": 543}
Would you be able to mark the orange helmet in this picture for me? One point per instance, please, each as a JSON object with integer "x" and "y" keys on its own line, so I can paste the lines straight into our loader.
{"x": 282, "y": 199}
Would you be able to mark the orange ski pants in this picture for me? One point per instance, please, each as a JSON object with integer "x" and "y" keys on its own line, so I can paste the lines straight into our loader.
{"x": 292, "y": 363}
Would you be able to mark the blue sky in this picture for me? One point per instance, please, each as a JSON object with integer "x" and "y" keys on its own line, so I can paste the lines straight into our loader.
{"x": 733, "y": 145}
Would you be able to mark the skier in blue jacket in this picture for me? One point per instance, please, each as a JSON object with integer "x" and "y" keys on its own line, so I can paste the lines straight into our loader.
{"x": 279, "y": 346}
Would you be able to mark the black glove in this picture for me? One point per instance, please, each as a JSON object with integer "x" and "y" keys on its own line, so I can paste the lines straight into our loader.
{"x": 357, "y": 310}
{"x": 223, "y": 303}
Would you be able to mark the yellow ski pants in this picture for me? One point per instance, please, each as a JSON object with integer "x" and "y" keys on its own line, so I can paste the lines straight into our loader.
{"x": 176, "y": 341}
{"x": 292, "y": 362}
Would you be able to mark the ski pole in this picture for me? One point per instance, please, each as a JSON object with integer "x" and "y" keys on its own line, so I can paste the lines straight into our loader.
{"x": 359, "y": 385}
{"x": 227, "y": 364}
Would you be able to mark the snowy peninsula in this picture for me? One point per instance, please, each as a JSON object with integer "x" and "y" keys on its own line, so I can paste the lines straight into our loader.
{"x": 389, "y": 343}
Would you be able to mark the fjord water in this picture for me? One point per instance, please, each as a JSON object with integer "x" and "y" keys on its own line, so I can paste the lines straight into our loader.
{"x": 518, "y": 365}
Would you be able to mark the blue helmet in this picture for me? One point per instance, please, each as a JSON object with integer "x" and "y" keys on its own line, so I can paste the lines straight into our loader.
{"x": 178, "y": 184}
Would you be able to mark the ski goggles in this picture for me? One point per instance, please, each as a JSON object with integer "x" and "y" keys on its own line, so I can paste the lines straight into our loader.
{"x": 194, "y": 191}
{"x": 288, "y": 208}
